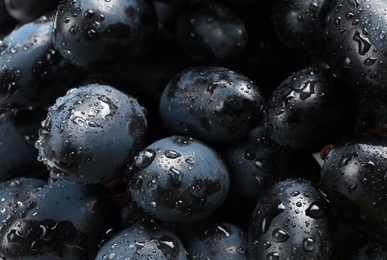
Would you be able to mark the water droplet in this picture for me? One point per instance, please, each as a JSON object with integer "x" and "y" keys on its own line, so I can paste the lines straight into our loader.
{"x": 349, "y": 16}
{"x": 145, "y": 158}
{"x": 190, "y": 160}
{"x": 314, "y": 211}
{"x": 152, "y": 185}
{"x": 89, "y": 13}
{"x": 280, "y": 235}
{"x": 266, "y": 244}
{"x": 346, "y": 160}
{"x": 281, "y": 206}
{"x": 307, "y": 89}
{"x": 272, "y": 256}
{"x": 92, "y": 33}
{"x": 93, "y": 124}
{"x": 347, "y": 63}
{"x": 295, "y": 193}
{"x": 355, "y": 3}
{"x": 22, "y": 214}
{"x": 175, "y": 176}
{"x": 279, "y": 112}
{"x": 16, "y": 236}
{"x": 172, "y": 154}
{"x": 73, "y": 29}
{"x": 382, "y": 35}
{"x": 338, "y": 20}
{"x": 241, "y": 250}
{"x": 214, "y": 85}
{"x": 314, "y": 7}
{"x": 309, "y": 244}
{"x": 364, "y": 43}
{"x": 368, "y": 165}
{"x": 178, "y": 203}
{"x": 352, "y": 187}
{"x": 370, "y": 61}
{"x": 31, "y": 204}
{"x": 138, "y": 183}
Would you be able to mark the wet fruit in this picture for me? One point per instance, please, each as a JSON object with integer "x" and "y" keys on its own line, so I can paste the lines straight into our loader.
{"x": 91, "y": 134}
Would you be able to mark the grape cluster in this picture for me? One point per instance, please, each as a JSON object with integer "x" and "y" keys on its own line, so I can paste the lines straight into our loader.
{"x": 193, "y": 129}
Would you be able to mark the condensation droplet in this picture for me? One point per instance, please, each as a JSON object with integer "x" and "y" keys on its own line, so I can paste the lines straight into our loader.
{"x": 89, "y": 13}
{"x": 352, "y": 187}
{"x": 364, "y": 44}
{"x": 172, "y": 154}
{"x": 370, "y": 61}
{"x": 152, "y": 185}
{"x": 73, "y": 29}
{"x": 145, "y": 158}
{"x": 272, "y": 256}
{"x": 314, "y": 211}
{"x": 280, "y": 235}
{"x": 175, "y": 176}
{"x": 309, "y": 244}
{"x": 266, "y": 244}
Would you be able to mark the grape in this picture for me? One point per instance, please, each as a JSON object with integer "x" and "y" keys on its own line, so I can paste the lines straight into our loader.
{"x": 185, "y": 129}
{"x": 72, "y": 141}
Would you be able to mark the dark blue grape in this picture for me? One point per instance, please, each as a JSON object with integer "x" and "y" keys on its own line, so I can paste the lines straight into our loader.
{"x": 211, "y": 33}
{"x": 143, "y": 240}
{"x": 101, "y": 35}
{"x": 91, "y": 133}
{"x": 309, "y": 110}
{"x": 354, "y": 179}
{"x": 149, "y": 155}
{"x": 32, "y": 72}
{"x": 213, "y": 103}
{"x": 179, "y": 179}
{"x": 354, "y": 41}
{"x": 62, "y": 220}
{"x": 293, "y": 220}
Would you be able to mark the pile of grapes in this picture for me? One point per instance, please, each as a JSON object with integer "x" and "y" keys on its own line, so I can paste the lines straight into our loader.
{"x": 193, "y": 129}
